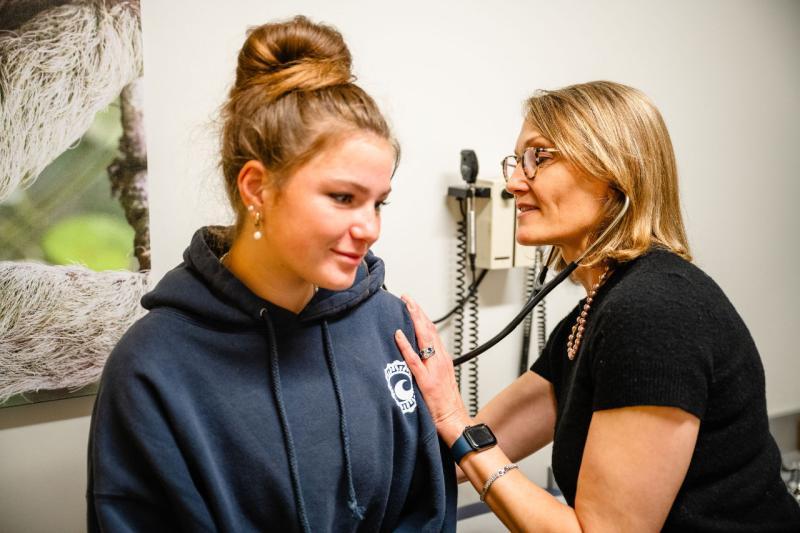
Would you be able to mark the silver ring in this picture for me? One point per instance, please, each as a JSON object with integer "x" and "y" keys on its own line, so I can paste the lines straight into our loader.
{"x": 427, "y": 353}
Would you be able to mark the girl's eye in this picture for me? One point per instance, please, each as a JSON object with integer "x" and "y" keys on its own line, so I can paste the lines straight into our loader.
{"x": 343, "y": 198}
{"x": 381, "y": 204}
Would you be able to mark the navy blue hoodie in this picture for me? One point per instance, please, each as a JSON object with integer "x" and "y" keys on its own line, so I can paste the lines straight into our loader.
{"x": 219, "y": 411}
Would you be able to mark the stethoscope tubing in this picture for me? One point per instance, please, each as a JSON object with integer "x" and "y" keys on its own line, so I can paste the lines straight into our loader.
{"x": 537, "y": 297}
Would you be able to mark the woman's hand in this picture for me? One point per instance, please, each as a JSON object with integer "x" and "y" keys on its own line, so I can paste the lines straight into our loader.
{"x": 435, "y": 376}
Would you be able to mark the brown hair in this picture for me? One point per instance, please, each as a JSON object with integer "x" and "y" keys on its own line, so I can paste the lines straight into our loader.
{"x": 614, "y": 133}
{"x": 294, "y": 96}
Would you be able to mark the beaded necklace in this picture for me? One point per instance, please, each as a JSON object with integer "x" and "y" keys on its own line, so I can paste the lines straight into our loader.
{"x": 576, "y": 335}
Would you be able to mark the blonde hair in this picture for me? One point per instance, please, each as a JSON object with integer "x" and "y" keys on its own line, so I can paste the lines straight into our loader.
{"x": 293, "y": 97}
{"x": 615, "y": 134}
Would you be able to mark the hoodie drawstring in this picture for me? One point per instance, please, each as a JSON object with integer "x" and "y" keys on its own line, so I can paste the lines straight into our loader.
{"x": 352, "y": 502}
{"x": 287, "y": 435}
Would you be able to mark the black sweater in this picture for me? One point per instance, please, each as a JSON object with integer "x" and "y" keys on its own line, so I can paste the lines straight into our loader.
{"x": 661, "y": 332}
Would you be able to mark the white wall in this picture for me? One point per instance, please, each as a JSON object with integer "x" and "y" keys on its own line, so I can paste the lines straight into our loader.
{"x": 452, "y": 75}
{"x": 43, "y": 466}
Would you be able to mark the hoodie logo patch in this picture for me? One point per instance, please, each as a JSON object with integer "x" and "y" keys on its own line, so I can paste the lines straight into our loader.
{"x": 398, "y": 378}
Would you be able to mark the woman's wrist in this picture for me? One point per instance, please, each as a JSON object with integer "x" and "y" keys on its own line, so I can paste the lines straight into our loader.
{"x": 450, "y": 430}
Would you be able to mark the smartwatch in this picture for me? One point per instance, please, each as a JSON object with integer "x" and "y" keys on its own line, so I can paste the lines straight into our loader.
{"x": 474, "y": 439}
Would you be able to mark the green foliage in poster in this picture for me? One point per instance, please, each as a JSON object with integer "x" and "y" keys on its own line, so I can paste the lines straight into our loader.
{"x": 74, "y": 185}
{"x": 98, "y": 241}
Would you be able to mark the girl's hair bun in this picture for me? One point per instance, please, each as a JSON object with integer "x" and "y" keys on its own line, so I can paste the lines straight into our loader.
{"x": 294, "y": 96}
{"x": 297, "y": 55}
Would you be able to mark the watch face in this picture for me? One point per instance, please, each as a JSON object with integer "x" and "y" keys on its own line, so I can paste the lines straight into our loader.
{"x": 480, "y": 436}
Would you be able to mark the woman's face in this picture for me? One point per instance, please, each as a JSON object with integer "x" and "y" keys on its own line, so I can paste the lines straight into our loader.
{"x": 560, "y": 206}
{"x": 327, "y": 215}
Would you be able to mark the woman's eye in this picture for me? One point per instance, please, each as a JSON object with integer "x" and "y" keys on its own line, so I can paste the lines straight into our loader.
{"x": 342, "y": 198}
{"x": 543, "y": 157}
{"x": 381, "y": 204}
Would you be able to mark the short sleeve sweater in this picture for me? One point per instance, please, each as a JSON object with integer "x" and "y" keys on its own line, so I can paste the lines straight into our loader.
{"x": 661, "y": 332}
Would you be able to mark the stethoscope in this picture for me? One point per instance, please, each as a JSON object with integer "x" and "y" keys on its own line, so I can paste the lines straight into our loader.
{"x": 541, "y": 290}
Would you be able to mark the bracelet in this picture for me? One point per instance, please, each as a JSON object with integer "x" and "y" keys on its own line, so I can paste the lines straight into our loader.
{"x": 495, "y": 476}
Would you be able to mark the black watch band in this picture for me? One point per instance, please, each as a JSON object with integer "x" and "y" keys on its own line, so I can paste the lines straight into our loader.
{"x": 474, "y": 439}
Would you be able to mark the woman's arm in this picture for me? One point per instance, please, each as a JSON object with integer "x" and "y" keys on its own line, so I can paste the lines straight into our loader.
{"x": 634, "y": 461}
{"x": 522, "y": 416}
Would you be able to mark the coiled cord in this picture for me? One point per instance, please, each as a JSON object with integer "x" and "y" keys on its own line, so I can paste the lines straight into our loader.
{"x": 472, "y": 379}
{"x": 530, "y": 285}
{"x": 461, "y": 280}
{"x": 541, "y": 309}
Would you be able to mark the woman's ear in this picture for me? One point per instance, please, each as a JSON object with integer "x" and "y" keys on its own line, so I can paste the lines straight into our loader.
{"x": 252, "y": 183}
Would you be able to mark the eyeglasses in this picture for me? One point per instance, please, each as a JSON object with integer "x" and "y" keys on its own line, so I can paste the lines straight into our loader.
{"x": 531, "y": 159}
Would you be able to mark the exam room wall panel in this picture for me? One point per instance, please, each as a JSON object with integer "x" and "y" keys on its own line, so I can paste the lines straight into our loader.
{"x": 452, "y": 75}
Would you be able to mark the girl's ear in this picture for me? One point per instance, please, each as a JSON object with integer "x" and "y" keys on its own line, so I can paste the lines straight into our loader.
{"x": 252, "y": 183}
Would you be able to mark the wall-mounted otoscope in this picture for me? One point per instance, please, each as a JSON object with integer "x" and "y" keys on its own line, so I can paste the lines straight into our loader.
{"x": 469, "y": 172}
{"x": 541, "y": 290}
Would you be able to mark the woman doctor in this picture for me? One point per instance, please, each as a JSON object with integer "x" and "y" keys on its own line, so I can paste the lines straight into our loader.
{"x": 651, "y": 389}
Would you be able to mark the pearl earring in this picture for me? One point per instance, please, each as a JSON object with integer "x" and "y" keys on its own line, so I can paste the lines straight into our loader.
{"x": 257, "y": 233}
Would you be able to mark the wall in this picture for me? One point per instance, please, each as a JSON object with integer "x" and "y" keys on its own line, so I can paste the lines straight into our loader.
{"x": 43, "y": 466}
{"x": 452, "y": 75}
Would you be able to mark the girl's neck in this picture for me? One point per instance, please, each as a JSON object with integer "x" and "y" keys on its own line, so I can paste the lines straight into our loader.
{"x": 266, "y": 277}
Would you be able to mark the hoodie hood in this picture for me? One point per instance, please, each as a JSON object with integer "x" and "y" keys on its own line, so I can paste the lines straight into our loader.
{"x": 203, "y": 288}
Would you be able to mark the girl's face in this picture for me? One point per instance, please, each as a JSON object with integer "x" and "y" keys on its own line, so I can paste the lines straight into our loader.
{"x": 560, "y": 206}
{"x": 321, "y": 224}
